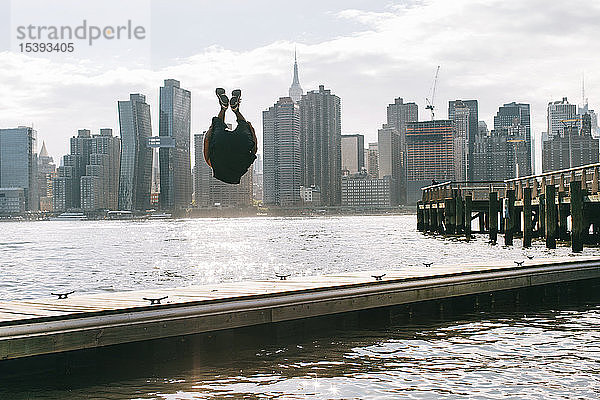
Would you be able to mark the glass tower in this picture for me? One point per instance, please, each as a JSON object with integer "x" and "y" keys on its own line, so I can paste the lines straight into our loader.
{"x": 175, "y": 162}
{"x": 135, "y": 177}
{"x": 18, "y": 163}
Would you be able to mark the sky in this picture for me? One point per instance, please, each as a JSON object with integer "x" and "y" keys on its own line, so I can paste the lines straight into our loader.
{"x": 367, "y": 52}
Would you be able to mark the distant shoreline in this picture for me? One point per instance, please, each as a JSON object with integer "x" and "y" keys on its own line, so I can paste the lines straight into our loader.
{"x": 233, "y": 212}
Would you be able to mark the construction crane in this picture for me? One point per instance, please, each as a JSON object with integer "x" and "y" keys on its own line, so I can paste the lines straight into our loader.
{"x": 430, "y": 105}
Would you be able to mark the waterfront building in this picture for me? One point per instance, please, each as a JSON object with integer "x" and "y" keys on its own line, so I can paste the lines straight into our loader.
{"x": 511, "y": 114}
{"x": 572, "y": 147}
{"x": 203, "y": 174}
{"x": 175, "y": 161}
{"x": 295, "y": 91}
{"x": 310, "y": 196}
{"x": 282, "y": 174}
{"x": 558, "y": 111}
{"x": 373, "y": 160}
{"x": 360, "y": 190}
{"x": 100, "y": 185}
{"x": 320, "y": 138}
{"x": 430, "y": 155}
{"x": 353, "y": 153}
{"x": 465, "y": 114}
{"x": 12, "y": 201}
{"x": 500, "y": 155}
{"x": 257, "y": 179}
{"x": 19, "y": 163}
{"x": 88, "y": 177}
{"x": 135, "y": 178}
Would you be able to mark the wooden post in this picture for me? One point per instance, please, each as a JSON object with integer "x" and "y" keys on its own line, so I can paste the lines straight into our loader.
{"x": 576, "y": 216}
{"x": 433, "y": 218}
{"x": 481, "y": 222}
{"x": 493, "y": 216}
{"x": 595, "y": 181}
{"x": 468, "y": 209}
{"x": 563, "y": 210}
{"x": 440, "y": 219}
{"x": 427, "y": 218}
{"x": 527, "y": 229}
{"x": 509, "y": 228}
{"x": 551, "y": 216}
{"x": 460, "y": 214}
{"x": 542, "y": 215}
{"x": 420, "y": 218}
{"x": 449, "y": 215}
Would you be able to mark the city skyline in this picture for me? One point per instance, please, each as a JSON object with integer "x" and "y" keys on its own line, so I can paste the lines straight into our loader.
{"x": 355, "y": 56}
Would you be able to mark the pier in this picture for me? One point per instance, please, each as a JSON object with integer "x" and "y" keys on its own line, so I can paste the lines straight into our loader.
{"x": 556, "y": 206}
{"x": 67, "y": 321}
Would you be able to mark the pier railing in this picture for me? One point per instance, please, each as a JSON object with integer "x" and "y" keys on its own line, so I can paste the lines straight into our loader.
{"x": 588, "y": 175}
{"x": 478, "y": 190}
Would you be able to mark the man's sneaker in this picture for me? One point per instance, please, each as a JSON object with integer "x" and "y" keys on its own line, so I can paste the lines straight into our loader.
{"x": 223, "y": 99}
{"x": 236, "y": 98}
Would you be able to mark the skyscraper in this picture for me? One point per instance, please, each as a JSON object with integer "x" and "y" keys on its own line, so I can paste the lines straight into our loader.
{"x": 373, "y": 160}
{"x": 175, "y": 168}
{"x": 135, "y": 178}
{"x": 295, "y": 91}
{"x": 18, "y": 163}
{"x": 430, "y": 155}
{"x": 281, "y": 153}
{"x": 461, "y": 109}
{"x": 571, "y": 147}
{"x": 559, "y": 111}
{"x": 353, "y": 153}
{"x": 203, "y": 173}
{"x": 320, "y": 136}
{"x": 100, "y": 184}
{"x": 501, "y": 154}
{"x": 392, "y": 160}
{"x": 46, "y": 172}
{"x": 514, "y": 114}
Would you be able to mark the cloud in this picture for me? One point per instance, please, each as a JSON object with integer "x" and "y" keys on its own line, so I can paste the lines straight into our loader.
{"x": 494, "y": 51}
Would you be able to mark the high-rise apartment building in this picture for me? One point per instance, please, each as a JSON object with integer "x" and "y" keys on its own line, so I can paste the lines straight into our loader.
{"x": 175, "y": 162}
{"x": 501, "y": 154}
{"x": 559, "y": 111}
{"x": 392, "y": 145}
{"x": 430, "y": 155}
{"x": 282, "y": 174}
{"x": 465, "y": 113}
{"x": 373, "y": 160}
{"x": 320, "y": 137}
{"x": 19, "y": 162}
{"x": 88, "y": 177}
{"x": 514, "y": 114}
{"x": 135, "y": 178}
{"x": 571, "y": 147}
{"x": 353, "y": 153}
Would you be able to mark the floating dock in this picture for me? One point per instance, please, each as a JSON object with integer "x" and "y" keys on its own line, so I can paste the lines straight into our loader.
{"x": 83, "y": 321}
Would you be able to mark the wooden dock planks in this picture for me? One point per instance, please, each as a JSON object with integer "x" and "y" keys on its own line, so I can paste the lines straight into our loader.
{"x": 49, "y": 325}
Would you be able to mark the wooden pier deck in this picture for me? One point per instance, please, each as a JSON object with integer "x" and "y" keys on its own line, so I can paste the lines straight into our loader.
{"x": 82, "y": 321}
{"x": 559, "y": 205}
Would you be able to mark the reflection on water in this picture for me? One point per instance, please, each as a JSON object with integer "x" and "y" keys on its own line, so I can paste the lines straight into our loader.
{"x": 537, "y": 353}
{"x": 533, "y": 354}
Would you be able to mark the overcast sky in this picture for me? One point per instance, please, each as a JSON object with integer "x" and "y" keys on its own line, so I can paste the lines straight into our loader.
{"x": 366, "y": 52}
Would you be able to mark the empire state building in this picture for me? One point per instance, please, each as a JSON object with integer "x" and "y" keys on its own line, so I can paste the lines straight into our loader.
{"x": 296, "y": 90}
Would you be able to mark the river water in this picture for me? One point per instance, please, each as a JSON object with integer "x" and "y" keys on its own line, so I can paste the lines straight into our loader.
{"x": 545, "y": 353}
